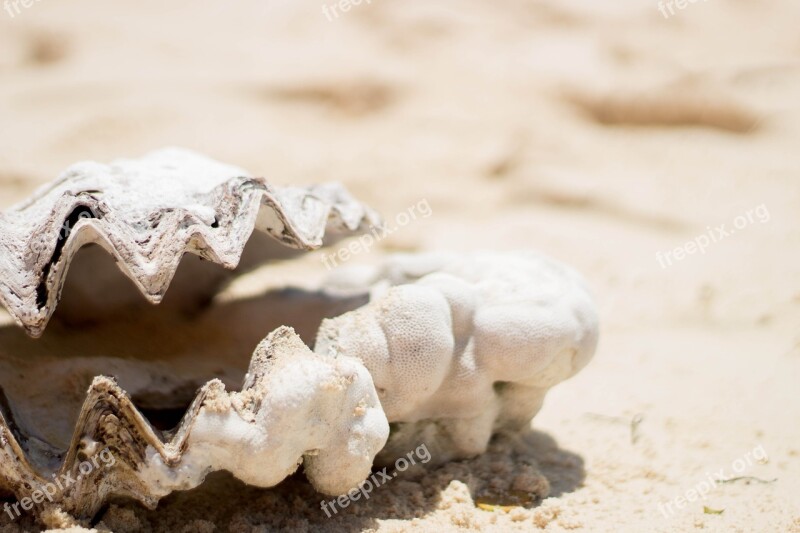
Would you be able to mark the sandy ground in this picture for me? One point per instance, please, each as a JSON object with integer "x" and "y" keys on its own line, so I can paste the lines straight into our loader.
{"x": 601, "y": 133}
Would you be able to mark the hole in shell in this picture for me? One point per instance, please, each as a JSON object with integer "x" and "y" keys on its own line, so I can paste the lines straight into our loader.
{"x": 79, "y": 213}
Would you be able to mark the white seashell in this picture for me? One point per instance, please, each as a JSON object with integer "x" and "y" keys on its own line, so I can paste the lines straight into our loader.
{"x": 449, "y": 348}
{"x": 146, "y": 213}
{"x": 296, "y": 407}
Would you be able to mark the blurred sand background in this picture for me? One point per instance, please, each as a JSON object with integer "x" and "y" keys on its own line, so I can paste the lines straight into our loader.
{"x": 601, "y": 133}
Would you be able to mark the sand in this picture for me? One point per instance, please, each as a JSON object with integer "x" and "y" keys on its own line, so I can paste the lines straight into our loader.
{"x": 603, "y": 134}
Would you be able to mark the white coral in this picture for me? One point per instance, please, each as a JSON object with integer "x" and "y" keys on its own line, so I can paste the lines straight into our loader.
{"x": 462, "y": 346}
{"x": 296, "y": 407}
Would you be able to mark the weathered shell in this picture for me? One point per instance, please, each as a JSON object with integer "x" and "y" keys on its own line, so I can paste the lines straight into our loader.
{"x": 450, "y": 348}
{"x": 296, "y": 407}
{"x": 146, "y": 213}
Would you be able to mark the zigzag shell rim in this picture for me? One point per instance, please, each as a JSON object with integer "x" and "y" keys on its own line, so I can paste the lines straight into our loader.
{"x": 36, "y": 262}
{"x": 108, "y": 418}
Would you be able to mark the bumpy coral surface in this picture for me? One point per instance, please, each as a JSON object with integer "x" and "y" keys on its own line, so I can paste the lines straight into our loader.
{"x": 460, "y": 347}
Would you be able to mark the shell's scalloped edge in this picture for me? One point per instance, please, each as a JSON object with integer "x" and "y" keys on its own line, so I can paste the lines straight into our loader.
{"x": 147, "y": 466}
{"x": 147, "y": 213}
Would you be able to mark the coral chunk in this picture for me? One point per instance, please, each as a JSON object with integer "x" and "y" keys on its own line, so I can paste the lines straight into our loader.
{"x": 463, "y": 346}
